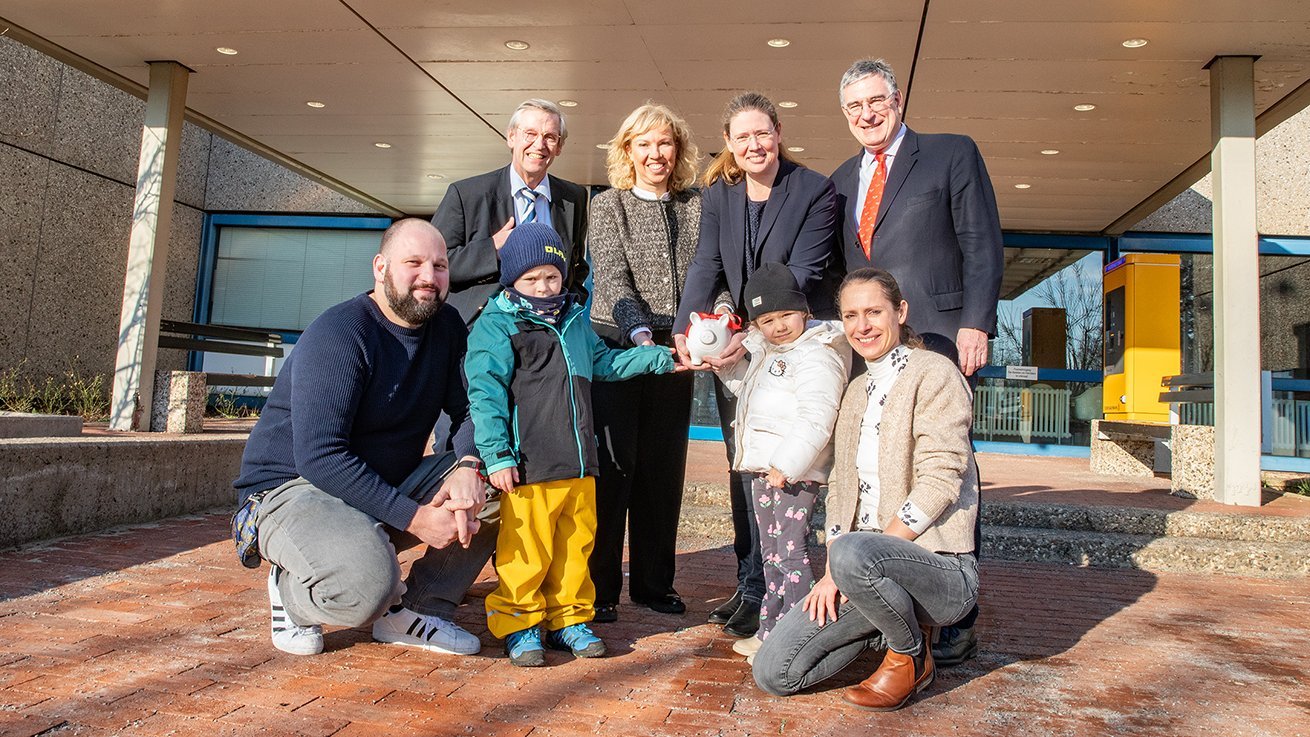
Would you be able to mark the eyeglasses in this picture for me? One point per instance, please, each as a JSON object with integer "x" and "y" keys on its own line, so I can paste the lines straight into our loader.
{"x": 763, "y": 137}
{"x": 530, "y": 137}
{"x": 878, "y": 104}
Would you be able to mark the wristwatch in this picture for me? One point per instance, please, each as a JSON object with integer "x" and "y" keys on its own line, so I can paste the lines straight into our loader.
{"x": 472, "y": 463}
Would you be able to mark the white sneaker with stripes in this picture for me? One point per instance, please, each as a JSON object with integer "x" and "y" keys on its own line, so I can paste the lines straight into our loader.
{"x": 288, "y": 636}
{"x": 400, "y": 626}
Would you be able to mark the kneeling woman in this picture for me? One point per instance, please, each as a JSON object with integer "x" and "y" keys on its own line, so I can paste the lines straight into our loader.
{"x": 901, "y": 508}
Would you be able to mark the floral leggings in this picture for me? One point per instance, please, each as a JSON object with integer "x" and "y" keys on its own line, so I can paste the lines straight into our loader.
{"x": 783, "y": 516}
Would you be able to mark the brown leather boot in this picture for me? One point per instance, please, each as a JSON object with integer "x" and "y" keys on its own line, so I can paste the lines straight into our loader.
{"x": 897, "y": 679}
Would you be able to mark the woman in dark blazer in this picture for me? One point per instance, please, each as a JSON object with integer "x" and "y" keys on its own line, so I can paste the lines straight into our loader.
{"x": 758, "y": 207}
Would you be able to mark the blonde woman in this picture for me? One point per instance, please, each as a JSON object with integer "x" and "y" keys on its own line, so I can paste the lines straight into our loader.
{"x": 643, "y": 236}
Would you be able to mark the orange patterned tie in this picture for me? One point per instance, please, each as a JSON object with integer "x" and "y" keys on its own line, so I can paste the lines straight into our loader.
{"x": 872, "y": 199}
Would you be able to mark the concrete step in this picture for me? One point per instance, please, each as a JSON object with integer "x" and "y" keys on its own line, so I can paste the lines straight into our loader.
{"x": 1102, "y": 537}
{"x": 1152, "y": 522}
{"x": 1146, "y": 552}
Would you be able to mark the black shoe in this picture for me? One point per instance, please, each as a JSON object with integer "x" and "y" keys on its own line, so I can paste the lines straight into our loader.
{"x": 606, "y": 613}
{"x": 664, "y": 604}
{"x": 744, "y": 622}
{"x": 954, "y": 646}
{"x": 723, "y": 612}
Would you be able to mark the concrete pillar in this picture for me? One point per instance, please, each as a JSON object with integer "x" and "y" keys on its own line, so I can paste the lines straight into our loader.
{"x": 1236, "y": 281}
{"x": 147, "y": 257}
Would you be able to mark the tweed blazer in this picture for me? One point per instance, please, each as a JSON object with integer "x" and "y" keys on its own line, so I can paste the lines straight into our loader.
{"x": 641, "y": 251}
{"x": 924, "y": 453}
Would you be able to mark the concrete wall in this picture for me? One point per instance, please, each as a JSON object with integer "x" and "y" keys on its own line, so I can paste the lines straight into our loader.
{"x": 1283, "y": 208}
{"x": 68, "y": 157}
{"x": 64, "y": 486}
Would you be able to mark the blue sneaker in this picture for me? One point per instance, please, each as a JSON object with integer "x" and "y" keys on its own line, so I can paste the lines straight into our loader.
{"x": 578, "y": 639}
{"x": 524, "y": 648}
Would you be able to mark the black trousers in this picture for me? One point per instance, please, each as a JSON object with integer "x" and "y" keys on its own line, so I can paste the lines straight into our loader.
{"x": 745, "y": 532}
{"x": 641, "y": 426}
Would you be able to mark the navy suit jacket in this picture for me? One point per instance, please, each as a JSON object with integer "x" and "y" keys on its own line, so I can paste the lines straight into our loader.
{"x": 798, "y": 228}
{"x": 475, "y": 208}
{"x": 938, "y": 232}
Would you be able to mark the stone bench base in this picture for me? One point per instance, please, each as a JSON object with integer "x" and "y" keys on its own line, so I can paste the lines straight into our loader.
{"x": 1118, "y": 450}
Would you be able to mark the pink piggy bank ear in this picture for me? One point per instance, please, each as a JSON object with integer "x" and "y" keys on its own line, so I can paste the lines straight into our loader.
{"x": 724, "y": 319}
{"x": 695, "y": 318}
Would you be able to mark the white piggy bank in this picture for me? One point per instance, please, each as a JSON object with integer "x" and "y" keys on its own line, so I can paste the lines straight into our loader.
{"x": 708, "y": 335}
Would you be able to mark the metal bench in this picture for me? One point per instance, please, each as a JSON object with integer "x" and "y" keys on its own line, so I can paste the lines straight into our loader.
{"x": 188, "y": 336}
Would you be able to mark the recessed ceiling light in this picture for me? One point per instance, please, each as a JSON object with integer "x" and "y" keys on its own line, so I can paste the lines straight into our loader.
{"x": 1084, "y": 107}
{"x": 1135, "y": 43}
{"x": 1050, "y": 151}
{"x": 227, "y": 50}
{"x": 602, "y": 146}
{"x": 516, "y": 45}
{"x": 779, "y": 43}
{"x": 796, "y": 149}
{"x": 568, "y": 103}
{"x": 436, "y": 176}
{"x": 382, "y": 144}
{"x": 1021, "y": 185}
{"x": 788, "y": 103}
{"x": 316, "y": 104}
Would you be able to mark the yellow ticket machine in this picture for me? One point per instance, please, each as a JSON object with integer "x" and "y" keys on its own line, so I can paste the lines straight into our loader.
{"x": 1141, "y": 340}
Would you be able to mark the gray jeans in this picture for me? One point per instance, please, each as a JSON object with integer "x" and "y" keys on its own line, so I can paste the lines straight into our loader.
{"x": 341, "y": 563}
{"x": 892, "y": 585}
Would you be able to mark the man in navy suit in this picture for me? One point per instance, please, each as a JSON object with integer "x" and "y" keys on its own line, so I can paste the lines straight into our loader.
{"x": 931, "y": 220}
{"x": 921, "y": 206}
{"x": 477, "y": 214}
{"x": 476, "y": 217}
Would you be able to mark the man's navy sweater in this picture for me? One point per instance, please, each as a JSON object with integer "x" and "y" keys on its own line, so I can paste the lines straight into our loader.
{"x": 354, "y": 405}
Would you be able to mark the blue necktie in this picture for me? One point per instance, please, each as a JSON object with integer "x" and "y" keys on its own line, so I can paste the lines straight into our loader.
{"x": 531, "y": 195}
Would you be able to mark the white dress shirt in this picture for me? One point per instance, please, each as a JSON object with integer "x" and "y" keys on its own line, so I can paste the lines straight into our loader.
{"x": 869, "y": 164}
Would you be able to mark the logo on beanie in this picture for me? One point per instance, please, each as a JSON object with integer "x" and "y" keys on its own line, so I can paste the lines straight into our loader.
{"x": 557, "y": 252}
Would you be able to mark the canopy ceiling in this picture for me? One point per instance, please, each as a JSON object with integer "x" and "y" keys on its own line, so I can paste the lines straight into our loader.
{"x": 437, "y": 81}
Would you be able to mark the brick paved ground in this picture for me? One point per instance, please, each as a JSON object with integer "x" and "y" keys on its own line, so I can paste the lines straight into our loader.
{"x": 154, "y": 630}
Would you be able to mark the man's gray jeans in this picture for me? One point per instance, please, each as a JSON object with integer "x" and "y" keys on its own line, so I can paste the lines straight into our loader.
{"x": 340, "y": 563}
{"x": 891, "y": 585}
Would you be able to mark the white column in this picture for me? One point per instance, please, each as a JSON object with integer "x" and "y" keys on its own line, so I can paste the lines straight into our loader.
{"x": 147, "y": 257}
{"x": 1236, "y": 281}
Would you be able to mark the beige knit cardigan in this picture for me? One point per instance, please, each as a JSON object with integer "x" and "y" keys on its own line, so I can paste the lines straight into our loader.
{"x": 924, "y": 453}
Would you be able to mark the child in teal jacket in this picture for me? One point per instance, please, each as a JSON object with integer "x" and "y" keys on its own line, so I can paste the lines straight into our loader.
{"x": 531, "y": 359}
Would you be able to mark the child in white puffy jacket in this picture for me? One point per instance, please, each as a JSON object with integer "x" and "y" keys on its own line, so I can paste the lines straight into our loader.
{"x": 788, "y": 395}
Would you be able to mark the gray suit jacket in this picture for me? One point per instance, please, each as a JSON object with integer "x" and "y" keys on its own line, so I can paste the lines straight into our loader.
{"x": 475, "y": 208}
{"x": 938, "y": 232}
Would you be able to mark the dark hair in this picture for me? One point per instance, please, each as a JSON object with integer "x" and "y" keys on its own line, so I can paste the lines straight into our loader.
{"x": 890, "y": 289}
{"x": 724, "y": 165}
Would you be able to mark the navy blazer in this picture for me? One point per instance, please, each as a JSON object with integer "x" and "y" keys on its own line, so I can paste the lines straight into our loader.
{"x": 475, "y": 208}
{"x": 937, "y": 232}
{"x": 798, "y": 228}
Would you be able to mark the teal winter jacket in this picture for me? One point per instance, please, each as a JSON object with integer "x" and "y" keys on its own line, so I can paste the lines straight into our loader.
{"x": 530, "y": 388}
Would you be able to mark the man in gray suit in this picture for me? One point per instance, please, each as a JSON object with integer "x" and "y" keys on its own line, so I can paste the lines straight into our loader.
{"x": 922, "y": 207}
{"x": 477, "y": 214}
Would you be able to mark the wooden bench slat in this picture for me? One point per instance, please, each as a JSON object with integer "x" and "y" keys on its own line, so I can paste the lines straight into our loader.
{"x": 218, "y": 331}
{"x": 1193, "y": 396}
{"x": 218, "y": 346}
{"x": 1134, "y": 429}
{"x": 1189, "y": 380}
{"x": 214, "y": 380}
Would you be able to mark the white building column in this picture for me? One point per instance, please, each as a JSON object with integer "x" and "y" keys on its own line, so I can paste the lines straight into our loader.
{"x": 147, "y": 257}
{"x": 1236, "y": 281}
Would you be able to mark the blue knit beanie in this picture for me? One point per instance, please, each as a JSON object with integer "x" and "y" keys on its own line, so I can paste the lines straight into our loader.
{"x": 531, "y": 245}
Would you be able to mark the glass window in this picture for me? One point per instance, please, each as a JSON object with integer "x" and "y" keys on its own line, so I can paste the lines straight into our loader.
{"x": 282, "y": 278}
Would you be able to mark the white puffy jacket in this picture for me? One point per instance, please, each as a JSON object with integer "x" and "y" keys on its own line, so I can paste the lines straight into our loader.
{"x": 787, "y": 401}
